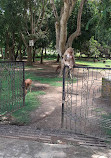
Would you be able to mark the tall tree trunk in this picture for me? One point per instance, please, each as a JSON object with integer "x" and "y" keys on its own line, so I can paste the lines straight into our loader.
{"x": 29, "y": 54}
{"x": 58, "y": 57}
{"x": 6, "y": 53}
{"x": 63, "y": 27}
{"x": 12, "y": 53}
{"x": 2, "y": 53}
{"x": 45, "y": 53}
{"x": 62, "y": 41}
{"x": 29, "y": 51}
{"x": 24, "y": 52}
{"x": 33, "y": 55}
{"x": 61, "y": 24}
{"x": 7, "y": 46}
{"x": 16, "y": 54}
{"x": 41, "y": 61}
{"x": 57, "y": 28}
{"x": 20, "y": 54}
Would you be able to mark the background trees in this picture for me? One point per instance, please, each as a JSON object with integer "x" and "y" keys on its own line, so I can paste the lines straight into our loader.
{"x": 61, "y": 20}
{"x": 54, "y": 24}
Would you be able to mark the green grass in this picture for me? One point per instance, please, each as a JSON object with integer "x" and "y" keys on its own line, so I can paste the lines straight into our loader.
{"x": 10, "y": 88}
{"x": 32, "y": 102}
{"x": 46, "y": 58}
{"x": 107, "y": 120}
{"x": 53, "y": 81}
{"x": 92, "y": 64}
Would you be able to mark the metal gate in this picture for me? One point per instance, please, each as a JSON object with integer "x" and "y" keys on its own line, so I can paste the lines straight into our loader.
{"x": 11, "y": 86}
{"x": 86, "y": 101}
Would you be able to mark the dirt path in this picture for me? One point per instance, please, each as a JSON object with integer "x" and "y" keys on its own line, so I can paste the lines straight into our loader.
{"x": 48, "y": 115}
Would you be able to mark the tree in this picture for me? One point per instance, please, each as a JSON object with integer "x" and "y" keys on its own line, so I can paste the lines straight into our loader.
{"x": 41, "y": 42}
{"x": 93, "y": 47}
{"x": 11, "y": 24}
{"x": 81, "y": 42}
{"x": 61, "y": 20}
{"x": 101, "y": 19}
{"x": 34, "y": 17}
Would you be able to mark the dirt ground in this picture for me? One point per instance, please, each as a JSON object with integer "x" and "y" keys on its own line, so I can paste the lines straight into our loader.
{"x": 48, "y": 115}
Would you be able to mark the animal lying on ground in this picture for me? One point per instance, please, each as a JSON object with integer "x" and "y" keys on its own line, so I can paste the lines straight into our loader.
{"x": 28, "y": 83}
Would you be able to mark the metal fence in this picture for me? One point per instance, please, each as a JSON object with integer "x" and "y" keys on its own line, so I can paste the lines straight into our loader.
{"x": 12, "y": 96}
{"x": 86, "y": 101}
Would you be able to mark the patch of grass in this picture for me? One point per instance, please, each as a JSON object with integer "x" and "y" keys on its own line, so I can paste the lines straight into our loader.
{"x": 107, "y": 123}
{"x": 92, "y": 64}
{"x": 32, "y": 102}
{"x": 53, "y": 81}
{"x": 11, "y": 91}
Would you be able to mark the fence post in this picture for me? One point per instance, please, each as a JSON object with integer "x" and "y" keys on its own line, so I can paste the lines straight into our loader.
{"x": 63, "y": 98}
{"x": 23, "y": 85}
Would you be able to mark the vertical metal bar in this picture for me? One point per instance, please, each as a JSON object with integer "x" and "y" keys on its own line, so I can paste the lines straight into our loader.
{"x": 23, "y": 85}
{"x": 63, "y": 98}
{"x": 72, "y": 78}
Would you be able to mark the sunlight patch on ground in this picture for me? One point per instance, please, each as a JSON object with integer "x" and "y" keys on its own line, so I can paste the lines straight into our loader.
{"x": 40, "y": 68}
{"x": 102, "y": 155}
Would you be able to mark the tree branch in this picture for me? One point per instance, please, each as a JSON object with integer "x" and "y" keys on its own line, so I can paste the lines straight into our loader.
{"x": 78, "y": 30}
{"x": 54, "y": 10}
{"x": 23, "y": 38}
{"x": 65, "y": 14}
{"x": 72, "y": 3}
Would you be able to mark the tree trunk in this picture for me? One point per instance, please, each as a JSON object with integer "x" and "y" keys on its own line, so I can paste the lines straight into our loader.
{"x": 16, "y": 55}
{"x": 29, "y": 54}
{"x": 58, "y": 58}
{"x": 63, "y": 27}
{"x": 34, "y": 55}
{"x": 12, "y": 53}
{"x": 24, "y": 52}
{"x": 45, "y": 53}
{"x": 7, "y": 47}
{"x": 2, "y": 53}
{"x": 57, "y": 28}
{"x": 29, "y": 51}
{"x": 41, "y": 61}
{"x": 6, "y": 54}
{"x": 62, "y": 41}
{"x": 20, "y": 54}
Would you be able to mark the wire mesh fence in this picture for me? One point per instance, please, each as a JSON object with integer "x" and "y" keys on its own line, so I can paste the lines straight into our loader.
{"x": 86, "y": 101}
{"x": 12, "y": 96}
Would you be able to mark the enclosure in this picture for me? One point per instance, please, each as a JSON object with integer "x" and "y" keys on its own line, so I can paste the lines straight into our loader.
{"x": 11, "y": 86}
{"x": 86, "y": 101}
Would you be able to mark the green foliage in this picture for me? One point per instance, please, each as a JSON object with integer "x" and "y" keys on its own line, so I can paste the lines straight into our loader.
{"x": 15, "y": 18}
{"x": 101, "y": 19}
{"x": 81, "y": 42}
{"x": 93, "y": 47}
{"x": 41, "y": 40}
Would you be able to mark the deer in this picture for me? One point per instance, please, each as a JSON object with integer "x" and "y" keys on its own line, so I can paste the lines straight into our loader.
{"x": 28, "y": 83}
